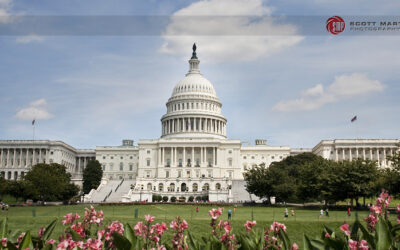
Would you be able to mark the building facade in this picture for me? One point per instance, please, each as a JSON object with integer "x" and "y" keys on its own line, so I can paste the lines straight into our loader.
{"x": 192, "y": 158}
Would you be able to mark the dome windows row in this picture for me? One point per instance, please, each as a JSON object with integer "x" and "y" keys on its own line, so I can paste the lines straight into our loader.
{"x": 193, "y": 88}
{"x": 193, "y": 106}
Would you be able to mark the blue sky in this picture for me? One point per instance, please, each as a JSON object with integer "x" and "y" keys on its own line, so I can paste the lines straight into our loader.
{"x": 293, "y": 90}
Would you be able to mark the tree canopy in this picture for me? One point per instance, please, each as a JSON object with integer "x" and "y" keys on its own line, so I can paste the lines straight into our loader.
{"x": 308, "y": 177}
{"x": 50, "y": 182}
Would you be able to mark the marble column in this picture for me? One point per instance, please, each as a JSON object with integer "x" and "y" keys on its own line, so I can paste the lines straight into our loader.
{"x": 336, "y": 154}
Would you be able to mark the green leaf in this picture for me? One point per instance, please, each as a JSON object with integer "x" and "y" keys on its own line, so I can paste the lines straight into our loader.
{"x": 4, "y": 228}
{"x": 49, "y": 230}
{"x": 130, "y": 234}
{"x": 285, "y": 239}
{"x": 318, "y": 244}
{"x": 384, "y": 239}
{"x": 368, "y": 237}
{"x": 193, "y": 244}
{"x": 307, "y": 243}
{"x": 26, "y": 241}
{"x": 121, "y": 242}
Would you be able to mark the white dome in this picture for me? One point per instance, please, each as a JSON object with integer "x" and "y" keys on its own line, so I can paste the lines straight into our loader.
{"x": 193, "y": 110}
{"x": 194, "y": 83}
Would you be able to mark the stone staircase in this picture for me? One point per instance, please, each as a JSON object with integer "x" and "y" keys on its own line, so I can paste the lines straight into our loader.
{"x": 119, "y": 191}
{"x": 102, "y": 194}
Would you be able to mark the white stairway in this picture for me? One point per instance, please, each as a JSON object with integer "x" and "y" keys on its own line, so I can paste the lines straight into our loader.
{"x": 100, "y": 195}
{"x": 116, "y": 196}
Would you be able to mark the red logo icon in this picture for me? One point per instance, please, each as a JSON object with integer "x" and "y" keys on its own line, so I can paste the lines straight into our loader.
{"x": 335, "y": 25}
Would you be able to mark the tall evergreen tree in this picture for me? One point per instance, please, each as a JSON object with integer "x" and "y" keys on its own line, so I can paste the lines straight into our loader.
{"x": 92, "y": 175}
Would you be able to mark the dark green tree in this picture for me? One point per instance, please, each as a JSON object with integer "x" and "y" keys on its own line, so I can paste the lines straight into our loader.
{"x": 50, "y": 182}
{"x": 15, "y": 189}
{"x": 92, "y": 175}
{"x": 258, "y": 182}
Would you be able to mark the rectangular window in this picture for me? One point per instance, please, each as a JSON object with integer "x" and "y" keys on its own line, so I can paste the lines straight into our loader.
{"x": 230, "y": 174}
{"x": 230, "y": 162}
{"x": 148, "y": 151}
{"x": 104, "y": 167}
{"x": 148, "y": 162}
{"x": 130, "y": 167}
{"x": 179, "y": 174}
{"x": 197, "y": 174}
{"x": 166, "y": 174}
{"x": 188, "y": 174}
{"x": 148, "y": 174}
{"x": 209, "y": 173}
{"x": 121, "y": 168}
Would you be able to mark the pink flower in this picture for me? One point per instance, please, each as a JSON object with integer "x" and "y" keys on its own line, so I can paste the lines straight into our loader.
{"x": 78, "y": 227}
{"x": 140, "y": 228}
{"x": 352, "y": 244}
{"x": 69, "y": 218}
{"x": 51, "y": 242}
{"x": 345, "y": 229}
{"x": 41, "y": 232}
{"x": 116, "y": 227}
{"x": 215, "y": 213}
{"x": 363, "y": 245}
{"x": 249, "y": 225}
{"x": 149, "y": 218}
{"x": 327, "y": 235}
{"x": 276, "y": 226}
{"x": 294, "y": 246}
{"x": 4, "y": 242}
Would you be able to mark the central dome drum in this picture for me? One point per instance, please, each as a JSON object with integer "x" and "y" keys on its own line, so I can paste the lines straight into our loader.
{"x": 193, "y": 110}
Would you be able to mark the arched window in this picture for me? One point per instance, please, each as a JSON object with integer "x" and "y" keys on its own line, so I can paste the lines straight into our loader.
{"x": 183, "y": 187}
{"x": 195, "y": 187}
{"x": 149, "y": 186}
{"x": 206, "y": 187}
{"x": 160, "y": 187}
{"x": 172, "y": 187}
{"x": 217, "y": 186}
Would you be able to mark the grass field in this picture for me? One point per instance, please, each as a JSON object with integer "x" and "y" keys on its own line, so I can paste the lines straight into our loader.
{"x": 305, "y": 221}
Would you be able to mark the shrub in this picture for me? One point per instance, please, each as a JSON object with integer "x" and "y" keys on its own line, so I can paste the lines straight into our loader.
{"x": 173, "y": 199}
{"x": 182, "y": 199}
{"x": 191, "y": 198}
{"x": 204, "y": 198}
{"x": 198, "y": 198}
{"x": 165, "y": 198}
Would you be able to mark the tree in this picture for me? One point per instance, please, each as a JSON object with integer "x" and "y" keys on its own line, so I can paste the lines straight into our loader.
{"x": 258, "y": 182}
{"x": 3, "y": 186}
{"x": 15, "y": 189}
{"x": 92, "y": 175}
{"x": 50, "y": 182}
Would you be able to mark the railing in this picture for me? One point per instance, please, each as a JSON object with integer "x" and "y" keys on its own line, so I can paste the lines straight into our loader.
{"x": 197, "y": 165}
{"x": 167, "y": 166}
{"x": 119, "y": 185}
{"x": 108, "y": 195}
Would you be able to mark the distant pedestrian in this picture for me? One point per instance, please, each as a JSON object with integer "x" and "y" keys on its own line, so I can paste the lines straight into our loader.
{"x": 327, "y": 212}
{"x": 321, "y": 213}
{"x": 229, "y": 214}
{"x": 293, "y": 213}
{"x": 286, "y": 213}
{"x": 348, "y": 211}
{"x": 234, "y": 208}
{"x": 197, "y": 209}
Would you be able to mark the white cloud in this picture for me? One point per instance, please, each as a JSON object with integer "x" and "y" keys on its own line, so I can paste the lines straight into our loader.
{"x": 343, "y": 87}
{"x": 29, "y": 38}
{"x": 5, "y": 6}
{"x": 35, "y": 110}
{"x": 227, "y": 30}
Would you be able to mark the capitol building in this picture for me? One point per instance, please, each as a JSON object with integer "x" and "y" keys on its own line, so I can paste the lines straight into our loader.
{"x": 192, "y": 157}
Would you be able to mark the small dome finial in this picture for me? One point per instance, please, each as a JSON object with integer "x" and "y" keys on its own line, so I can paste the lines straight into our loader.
{"x": 194, "y": 56}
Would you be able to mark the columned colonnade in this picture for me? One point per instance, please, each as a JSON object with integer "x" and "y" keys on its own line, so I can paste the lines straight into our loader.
{"x": 378, "y": 154}
{"x": 193, "y": 124}
{"x": 173, "y": 155}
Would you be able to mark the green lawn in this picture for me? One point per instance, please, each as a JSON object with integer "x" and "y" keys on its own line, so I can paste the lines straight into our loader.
{"x": 305, "y": 221}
